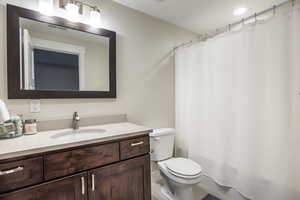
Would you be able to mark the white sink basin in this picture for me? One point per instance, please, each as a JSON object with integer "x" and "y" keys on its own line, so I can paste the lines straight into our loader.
{"x": 81, "y": 133}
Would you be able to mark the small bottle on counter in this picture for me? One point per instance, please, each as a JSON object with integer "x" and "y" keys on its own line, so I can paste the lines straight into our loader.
{"x": 30, "y": 127}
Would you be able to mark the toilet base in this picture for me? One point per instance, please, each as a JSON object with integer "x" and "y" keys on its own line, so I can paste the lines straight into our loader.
{"x": 174, "y": 191}
{"x": 167, "y": 194}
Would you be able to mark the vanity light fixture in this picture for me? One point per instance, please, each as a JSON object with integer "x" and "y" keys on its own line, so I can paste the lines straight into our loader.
{"x": 46, "y": 7}
{"x": 75, "y": 8}
{"x": 95, "y": 17}
{"x": 72, "y": 9}
{"x": 240, "y": 11}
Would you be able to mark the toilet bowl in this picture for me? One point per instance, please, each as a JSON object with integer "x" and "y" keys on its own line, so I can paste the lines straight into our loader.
{"x": 180, "y": 174}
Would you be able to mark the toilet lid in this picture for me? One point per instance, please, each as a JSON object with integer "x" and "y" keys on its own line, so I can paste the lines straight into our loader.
{"x": 183, "y": 167}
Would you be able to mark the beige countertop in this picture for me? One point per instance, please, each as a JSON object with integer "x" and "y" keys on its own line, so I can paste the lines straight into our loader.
{"x": 67, "y": 138}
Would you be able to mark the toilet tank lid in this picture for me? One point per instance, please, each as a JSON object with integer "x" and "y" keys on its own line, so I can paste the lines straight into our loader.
{"x": 162, "y": 131}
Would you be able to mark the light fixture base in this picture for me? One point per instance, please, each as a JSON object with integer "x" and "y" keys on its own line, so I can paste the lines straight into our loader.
{"x": 63, "y": 3}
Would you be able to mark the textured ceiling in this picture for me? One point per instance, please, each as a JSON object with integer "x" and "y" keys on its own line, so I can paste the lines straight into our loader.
{"x": 199, "y": 16}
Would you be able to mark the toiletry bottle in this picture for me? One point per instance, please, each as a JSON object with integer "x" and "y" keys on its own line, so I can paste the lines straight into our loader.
{"x": 30, "y": 127}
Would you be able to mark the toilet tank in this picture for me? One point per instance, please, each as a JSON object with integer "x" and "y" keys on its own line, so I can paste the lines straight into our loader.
{"x": 162, "y": 143}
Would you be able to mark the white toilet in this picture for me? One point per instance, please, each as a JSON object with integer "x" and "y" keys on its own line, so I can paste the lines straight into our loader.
{"x": 180, "y": 174}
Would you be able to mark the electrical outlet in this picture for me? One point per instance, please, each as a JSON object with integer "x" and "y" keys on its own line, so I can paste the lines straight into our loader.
{"x": 35, "y": 106}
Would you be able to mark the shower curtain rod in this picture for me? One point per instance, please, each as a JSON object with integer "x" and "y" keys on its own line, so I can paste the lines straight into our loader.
{"x": 228, "y": 27}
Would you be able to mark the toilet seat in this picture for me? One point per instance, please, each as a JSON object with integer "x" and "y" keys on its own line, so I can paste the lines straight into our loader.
{"x": 183, "y": 168}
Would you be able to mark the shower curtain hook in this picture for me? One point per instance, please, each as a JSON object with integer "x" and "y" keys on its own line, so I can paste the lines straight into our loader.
{"x": 255, "y": 18}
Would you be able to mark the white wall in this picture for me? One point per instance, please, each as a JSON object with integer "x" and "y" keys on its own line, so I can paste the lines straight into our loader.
{"x": 145, "y": 73}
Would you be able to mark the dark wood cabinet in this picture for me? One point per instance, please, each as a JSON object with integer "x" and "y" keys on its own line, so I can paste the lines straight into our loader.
{"x": 115, "y": 170}
{"x": 64, "y": 163}
{"x": 127, "y": 180}
{"x": 71, "y": 188}
{"x": 134, "y": 147}
{"x": 17, "y": 174}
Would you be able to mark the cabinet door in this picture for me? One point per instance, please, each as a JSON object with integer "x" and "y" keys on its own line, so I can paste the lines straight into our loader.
{"x": 71, "y": 188}
{"x": 127, "y": 180}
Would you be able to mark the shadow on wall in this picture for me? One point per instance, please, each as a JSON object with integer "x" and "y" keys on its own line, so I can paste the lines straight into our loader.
{"x": 165, "y": 63}
{"x": 156, "y": 85}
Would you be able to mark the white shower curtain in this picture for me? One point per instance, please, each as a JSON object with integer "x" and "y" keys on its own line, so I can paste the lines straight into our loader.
{"x": 238, "y": 108}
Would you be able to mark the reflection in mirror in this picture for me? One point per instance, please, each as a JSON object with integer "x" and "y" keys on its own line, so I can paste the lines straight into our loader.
{"x": 55, "y": 58}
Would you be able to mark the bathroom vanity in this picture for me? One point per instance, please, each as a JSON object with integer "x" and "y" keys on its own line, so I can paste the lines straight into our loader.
{"x": 107, "y": 162}
{"x": 50, "y": 57}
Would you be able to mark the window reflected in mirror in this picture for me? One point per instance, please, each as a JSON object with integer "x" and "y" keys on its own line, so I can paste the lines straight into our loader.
{"x": 55, "y": 58}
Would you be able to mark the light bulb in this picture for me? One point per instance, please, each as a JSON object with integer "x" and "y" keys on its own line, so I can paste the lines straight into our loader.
{"x": 72, "y": 12}
{"x": 95, "y": 18}
{"x": 240, "y": 11}
{"x": 46, "y": 7}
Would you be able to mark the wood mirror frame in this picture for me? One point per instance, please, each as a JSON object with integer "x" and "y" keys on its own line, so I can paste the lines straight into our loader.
{"x": 14, "y": 14}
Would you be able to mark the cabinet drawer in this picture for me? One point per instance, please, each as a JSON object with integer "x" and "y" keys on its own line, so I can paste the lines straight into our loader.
{"x": 18, "y": 174}
{"x": 61, "y": 164}
{"x": 134, "y": 147}
{"x": 69, "y": 188}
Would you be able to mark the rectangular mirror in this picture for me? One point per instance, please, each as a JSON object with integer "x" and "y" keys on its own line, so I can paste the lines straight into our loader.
{"x": 58, "y": 58}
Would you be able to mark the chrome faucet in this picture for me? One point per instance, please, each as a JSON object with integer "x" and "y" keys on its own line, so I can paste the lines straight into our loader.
{"x": 75, "y": 121}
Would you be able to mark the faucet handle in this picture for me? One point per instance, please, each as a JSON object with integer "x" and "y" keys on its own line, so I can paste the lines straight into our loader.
{"x": 76, "y": 116}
